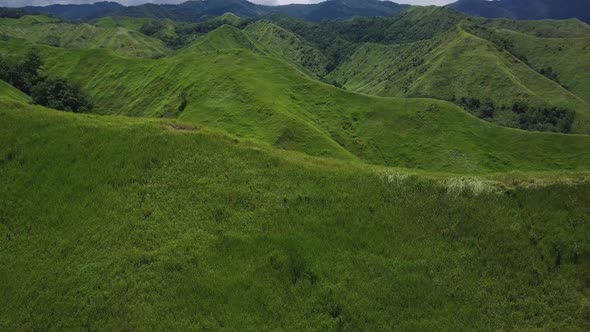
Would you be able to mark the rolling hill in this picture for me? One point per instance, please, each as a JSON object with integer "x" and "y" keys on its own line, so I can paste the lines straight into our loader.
{"x": 221, "y": 185}
{"x": 287, "y": 45}
{"x": 53, "y": 32}
{"x": 559, "y": 47}
{"x": 97, "y": 213}
{"x": 229, "y": 81}
{"x": 467, "y": 59}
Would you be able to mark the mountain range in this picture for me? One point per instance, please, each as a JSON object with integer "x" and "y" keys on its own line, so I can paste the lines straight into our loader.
{"x": 526, "y": 9}
{"x": 196, "y": 11}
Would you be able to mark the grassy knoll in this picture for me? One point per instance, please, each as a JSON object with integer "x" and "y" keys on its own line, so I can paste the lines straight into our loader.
{"x": 48, "y": 31}
{"x": 125, "y": 223}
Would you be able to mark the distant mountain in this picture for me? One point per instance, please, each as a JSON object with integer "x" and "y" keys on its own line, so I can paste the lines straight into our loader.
{"x": 195, "y": 11}
{"x": 201, "y": 10}
{"x": 341, "y": 9}
{"x": 526, "y": 9}
{"x": 12, "y": 12}
{"x": 77, "y": 12}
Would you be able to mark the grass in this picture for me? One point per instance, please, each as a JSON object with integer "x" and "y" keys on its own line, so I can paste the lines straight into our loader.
{"x": 121, "y": 40}
{"x": 239, "y": 193}
{"x": 230, "y": 82}
{"x": 132, "y": 223}
{"x": 453, "y": 66}
{"x": 286, "y": 45}
{"x": 11, "y": 94}
{"x": 567, "y": 56}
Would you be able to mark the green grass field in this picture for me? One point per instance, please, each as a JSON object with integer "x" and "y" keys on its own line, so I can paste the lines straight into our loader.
{"x": 122, "y": 223}
{"x": 222, "y": 186}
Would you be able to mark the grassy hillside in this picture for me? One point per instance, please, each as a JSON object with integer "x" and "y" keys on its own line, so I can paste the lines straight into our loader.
{"x": 124, "y": 223}
{"x": 225, "y": 38}
{"x": 223, "y": 187}
{"x": 567, "y": 57}
{"x": 39, "y": 29}
{"x": 10, "y": 94}
{"x": 224, "y": 80}
{"x": 286, "y": 45}
{"x": 454, "y": 66}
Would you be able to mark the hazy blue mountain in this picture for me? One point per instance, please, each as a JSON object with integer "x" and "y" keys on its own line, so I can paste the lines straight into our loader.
{"x": 526, "y": 9}
{"x": 77, "y": 12}
{"x": 195, "y": 11}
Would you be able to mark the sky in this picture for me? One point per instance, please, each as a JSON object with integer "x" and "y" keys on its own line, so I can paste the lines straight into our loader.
{"x": 20, "y": 3}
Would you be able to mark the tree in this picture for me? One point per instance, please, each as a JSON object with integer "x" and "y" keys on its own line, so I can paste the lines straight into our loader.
{"x": 59, "y": 94}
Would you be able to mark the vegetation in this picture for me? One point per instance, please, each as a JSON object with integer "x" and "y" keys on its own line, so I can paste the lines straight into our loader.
{"x": 110, "y": 217}
{"x": 227, "y": 80}
{"x": 473, "y": 60}
{"x": 287, "y": 45}
{"x": 25, "y": 74}
{"x": 218, "y": 183}
{"x": 528, "y": 118}
{"x": 53, "y": 32}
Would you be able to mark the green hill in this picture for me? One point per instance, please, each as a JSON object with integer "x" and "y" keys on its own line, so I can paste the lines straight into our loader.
{"x": 286, "y": 45}
{"x": 222, "y": 186}
{"x": 225, "y": 38}
{"x": 225, "y": 80}
{"x": 459, "y": 64}
{"x": 55, "y": 33}
{"x": 125, "y": 223}
{"x": 559, "y": 47}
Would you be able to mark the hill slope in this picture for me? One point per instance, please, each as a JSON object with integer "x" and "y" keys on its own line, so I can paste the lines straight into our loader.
{"x": 226, "y": 80}
{"x": 556, "y": 48}
{"x": 461, "y": 62}
{"x": 44, "y": 30}
{"x": 97, "y": 213}
{"x": 286, "y": 45}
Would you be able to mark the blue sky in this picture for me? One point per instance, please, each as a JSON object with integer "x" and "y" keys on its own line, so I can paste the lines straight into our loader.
{"x": 19, "y": 3}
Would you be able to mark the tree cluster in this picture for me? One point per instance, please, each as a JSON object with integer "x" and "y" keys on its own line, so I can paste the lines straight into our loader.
{"x": 25, "y": 74}
{"x": 555, "y": 119}
{"x": 544, "y": 118}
